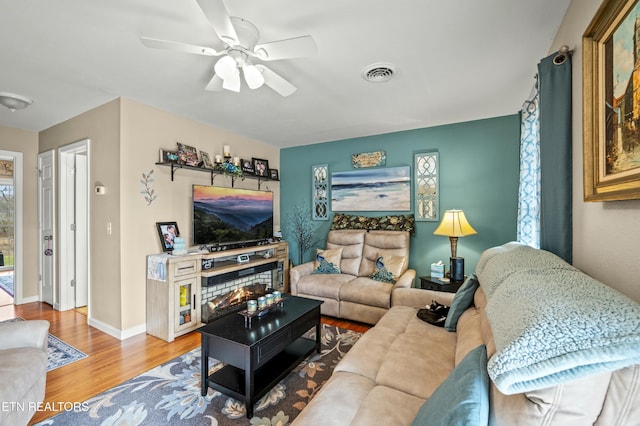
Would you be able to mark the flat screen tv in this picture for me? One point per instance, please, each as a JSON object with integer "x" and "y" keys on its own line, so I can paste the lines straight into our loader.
{"x": 231, "y": 215}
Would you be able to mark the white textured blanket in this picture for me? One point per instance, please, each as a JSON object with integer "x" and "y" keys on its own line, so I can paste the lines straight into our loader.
{"x": 551, "y": 322}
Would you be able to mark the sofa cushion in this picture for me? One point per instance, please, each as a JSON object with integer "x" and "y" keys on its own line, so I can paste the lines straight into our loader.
{"x": 323, "y": 285}
{"x": 382, "y": 243}
{"x": 366, "y": 291}
{"x": 462, "y": 300}
{"x": 389, "y": 268}
{"x": 463, "y": 399}
{"x": 20, "y": 369}
{"x": 327, "y": 261}
{"x": 351, "y": 242}
{"x": 387, "y": 406}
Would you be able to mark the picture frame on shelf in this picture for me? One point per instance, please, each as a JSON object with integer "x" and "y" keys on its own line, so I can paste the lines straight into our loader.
{"x": 261, "y": 167}
{"x": 206, "y": 160}
{"x": 188, "y": 155}
{"x": 273, "y": 174}
{"x": 167, "y": 232}
{"x": 168, "y": 156}
{"x": 247, "y": 166}
{"x": 608, "y": 101}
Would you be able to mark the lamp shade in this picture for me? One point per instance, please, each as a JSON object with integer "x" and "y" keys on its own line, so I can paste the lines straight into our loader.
{"x": 226, "y": 67}
{"x": 454, "y": 224}
{"x": 253, "y": 76}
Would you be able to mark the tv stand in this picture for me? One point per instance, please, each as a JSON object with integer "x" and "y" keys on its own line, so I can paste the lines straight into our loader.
{"x": 173, "y": 304}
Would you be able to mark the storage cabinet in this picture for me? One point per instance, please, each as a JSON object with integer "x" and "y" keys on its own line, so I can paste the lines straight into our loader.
{"x": 173, "y": 304}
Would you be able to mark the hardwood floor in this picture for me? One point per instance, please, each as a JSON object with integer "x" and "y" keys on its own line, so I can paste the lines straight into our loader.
{"x": 110, "y": 361}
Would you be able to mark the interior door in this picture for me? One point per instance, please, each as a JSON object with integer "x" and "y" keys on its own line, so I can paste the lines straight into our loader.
{"x": 81, "y": 229}
{"x": 46, "y": 219}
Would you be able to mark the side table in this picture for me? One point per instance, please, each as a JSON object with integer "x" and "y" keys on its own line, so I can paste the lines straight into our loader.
{"x": 429, "y": 283}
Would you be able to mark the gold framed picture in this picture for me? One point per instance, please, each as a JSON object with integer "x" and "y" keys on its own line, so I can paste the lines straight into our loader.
{"x": 611, "y": 103}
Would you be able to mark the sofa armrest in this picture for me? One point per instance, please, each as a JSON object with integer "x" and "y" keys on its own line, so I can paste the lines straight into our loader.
{"x": 419, "y": 298}
{"x": 24, "y": 334}
{"x": 405, "y": 280}
{"x": 298, "y": 272}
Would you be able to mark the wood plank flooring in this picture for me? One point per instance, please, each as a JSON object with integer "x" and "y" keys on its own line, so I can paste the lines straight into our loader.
{"x": 110, "y": 361}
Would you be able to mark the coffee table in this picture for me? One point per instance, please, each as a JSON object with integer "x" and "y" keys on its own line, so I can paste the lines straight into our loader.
{"x": 259, "y": 356}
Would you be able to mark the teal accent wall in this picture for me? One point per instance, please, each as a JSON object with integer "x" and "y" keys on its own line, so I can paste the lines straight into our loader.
{"x": 479, "y": 171}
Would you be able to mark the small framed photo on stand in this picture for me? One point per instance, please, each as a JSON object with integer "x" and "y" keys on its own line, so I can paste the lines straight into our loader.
{"x": 273, "y": 174}
{"x": 247, "y": 166}
{"x": 261, "y": 167}
{"x": 167, "y": 232}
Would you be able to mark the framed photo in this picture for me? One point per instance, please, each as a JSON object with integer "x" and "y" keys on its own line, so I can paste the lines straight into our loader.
{"x": 187, "y": 155}
{"x": 273, "y": 174}
{"x": 167, "y": 232}
{"x": 206, "y": 160}
{"x": 247, "y": 166}
{"x": 611, "y": 127}
{"x": 260, "y": 167}
{"x": 168, "y": 156}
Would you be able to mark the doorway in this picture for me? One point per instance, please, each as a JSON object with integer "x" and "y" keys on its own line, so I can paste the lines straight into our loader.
{"x": 10, "y": 227}
{"x": 74, "y": 226}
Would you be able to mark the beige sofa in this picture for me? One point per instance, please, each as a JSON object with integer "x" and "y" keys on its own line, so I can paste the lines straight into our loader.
{"x": 397, "y": 365}
{"x": 23, "y": 369}
{"x": 352, "y": 294}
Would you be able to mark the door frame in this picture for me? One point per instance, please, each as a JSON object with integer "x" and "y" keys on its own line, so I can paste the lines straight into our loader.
{"x": 18, "y": 188}
{"x": 66, "y": 292}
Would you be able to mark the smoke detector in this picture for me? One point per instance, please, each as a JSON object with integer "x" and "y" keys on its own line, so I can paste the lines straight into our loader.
{"x": 378, "y": 73}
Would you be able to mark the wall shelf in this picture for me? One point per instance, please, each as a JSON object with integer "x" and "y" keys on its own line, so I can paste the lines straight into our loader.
{"x": 213, "y": 173}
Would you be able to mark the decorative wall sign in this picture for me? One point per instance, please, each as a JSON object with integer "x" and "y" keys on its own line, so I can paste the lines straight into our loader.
{"x": 6, "y": 168}
{"x": 427, "y": 186}
{"x": 368, "y": 159}
{"x": 383, "y": 189}
{"x": 320, "y": 189}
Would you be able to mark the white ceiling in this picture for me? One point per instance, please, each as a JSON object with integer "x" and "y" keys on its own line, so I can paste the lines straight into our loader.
{"x": 454, "y": 61}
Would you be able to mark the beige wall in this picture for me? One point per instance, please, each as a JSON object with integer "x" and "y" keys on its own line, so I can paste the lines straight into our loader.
{"x": 144, "y": 131}
{"x": 606, "y": 235}
{"x": 26, "y": 142}
{"x": 102, "y": 127}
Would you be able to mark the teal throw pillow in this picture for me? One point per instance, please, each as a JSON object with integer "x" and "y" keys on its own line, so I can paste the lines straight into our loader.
{"x": 462, "y": 399}
{"x": 461, "y": 302}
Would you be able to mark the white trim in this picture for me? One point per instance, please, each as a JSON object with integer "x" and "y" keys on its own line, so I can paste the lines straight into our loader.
{"x": 41, "y": 256}
{"x": 114, "y": 332}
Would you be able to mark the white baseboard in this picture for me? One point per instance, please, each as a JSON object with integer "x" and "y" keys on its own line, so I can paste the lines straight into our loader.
{"x": 29, "y": 299}
{"x": 118, "y": 334}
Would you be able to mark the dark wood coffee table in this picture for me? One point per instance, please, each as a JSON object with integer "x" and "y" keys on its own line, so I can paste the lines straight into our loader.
{"x": 258, "y": 357}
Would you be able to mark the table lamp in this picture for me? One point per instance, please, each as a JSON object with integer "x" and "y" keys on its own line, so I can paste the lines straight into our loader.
{"x": 454, "y": 224}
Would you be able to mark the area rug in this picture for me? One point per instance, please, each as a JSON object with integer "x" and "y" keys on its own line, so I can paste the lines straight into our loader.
{"x": 59, "y": 353}
{"x": 170, "y": 393}
{"x": 6, "y": 283}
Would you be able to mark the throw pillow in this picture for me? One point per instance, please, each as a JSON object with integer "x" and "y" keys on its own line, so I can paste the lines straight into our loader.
{"x": 327, "y": 261}
{"x": 461, "y": 301}
{"x": 388, "y": 268}
{"x": 462, "y": 399}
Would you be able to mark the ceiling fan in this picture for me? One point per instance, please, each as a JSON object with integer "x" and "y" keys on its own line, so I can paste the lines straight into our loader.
{"x": 241, "y": 47}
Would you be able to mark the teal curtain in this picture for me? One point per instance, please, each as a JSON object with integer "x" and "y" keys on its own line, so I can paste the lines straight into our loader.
{"x": 554, "y": 79}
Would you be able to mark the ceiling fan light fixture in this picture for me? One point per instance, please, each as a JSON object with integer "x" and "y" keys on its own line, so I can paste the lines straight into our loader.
{"x": 253, "y": 76}
{"x": 226, "y": 67}
{"x": 232, "y": 82}
{"x": 13, "y": 101}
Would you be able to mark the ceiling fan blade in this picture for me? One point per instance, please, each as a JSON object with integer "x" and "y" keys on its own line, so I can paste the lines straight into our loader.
{"x": 296, "y": 47}
{"x": 215, "y": 85}
{"x": 178, "y": 46}
{"x": 277, "y": 83}
{"x": 218, "y": 17}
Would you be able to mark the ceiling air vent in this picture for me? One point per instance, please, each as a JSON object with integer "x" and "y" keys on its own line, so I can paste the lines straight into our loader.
{"x": 378, "y": 73}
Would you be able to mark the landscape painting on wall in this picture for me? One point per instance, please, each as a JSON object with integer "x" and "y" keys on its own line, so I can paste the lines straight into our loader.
{"x": 384, "y": 189}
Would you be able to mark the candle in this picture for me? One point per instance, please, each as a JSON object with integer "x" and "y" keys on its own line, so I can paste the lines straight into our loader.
{"x": 236, "y": 161}
{"x": 252, "y": 306}
{"x": 227, "y": 151}
{"x": 262, "y": 302}
{"x": 277, "y": 296}
{"x": 269, "y": 299}
{"x": 218, "y": 158}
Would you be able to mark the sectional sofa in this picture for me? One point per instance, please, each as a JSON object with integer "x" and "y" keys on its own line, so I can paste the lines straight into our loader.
{"x": 529, "y": 340}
